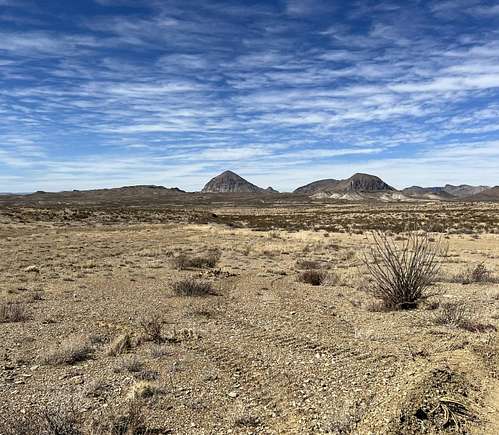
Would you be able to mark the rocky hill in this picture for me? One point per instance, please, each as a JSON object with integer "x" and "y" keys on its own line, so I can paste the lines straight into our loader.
{"x": 230, "y": 182}
{"x": 491, "y": 194}
{"x": 436, "y": 193}
{"x": 464, "y": 190}
{"x": 356, "y": 188}
{"x": 317, "y": 186}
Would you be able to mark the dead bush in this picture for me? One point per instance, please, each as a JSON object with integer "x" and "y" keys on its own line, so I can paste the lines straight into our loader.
{"x": 401, "y": 273}
{"x": 192, "y": 287}
{"x": 12, "y": 312}
{"x": 151, "y": 329}
{"x": 208, "y": 260}
{"x": 70, "y": 351}
{"x": 313, "y": 277}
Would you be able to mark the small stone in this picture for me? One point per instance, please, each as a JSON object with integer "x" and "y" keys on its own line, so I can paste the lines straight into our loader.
{"x": 233, "y": 394}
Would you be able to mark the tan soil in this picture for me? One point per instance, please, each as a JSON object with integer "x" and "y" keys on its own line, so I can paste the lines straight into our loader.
{"x": 266, "y": 354}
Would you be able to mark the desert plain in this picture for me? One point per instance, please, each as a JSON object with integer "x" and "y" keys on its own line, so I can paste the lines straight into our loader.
{"x": 97, "y": 334}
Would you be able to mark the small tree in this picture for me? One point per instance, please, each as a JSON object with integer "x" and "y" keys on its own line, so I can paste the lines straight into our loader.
{"x": 402, "y": 272}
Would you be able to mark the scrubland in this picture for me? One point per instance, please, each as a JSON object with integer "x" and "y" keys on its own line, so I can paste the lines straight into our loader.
{"x": 244, "y": 320}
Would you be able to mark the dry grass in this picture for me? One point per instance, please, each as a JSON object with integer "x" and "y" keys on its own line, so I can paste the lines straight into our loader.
{"x": 56, "y": 420}
{"x": 457, "y": 315}
{"x": 192, "y": 287}
{"x": 208, "y": 260}
{"x": 68, "y": 352}
{"x": 12, "y": 312}
{"x": 478, "y": 274}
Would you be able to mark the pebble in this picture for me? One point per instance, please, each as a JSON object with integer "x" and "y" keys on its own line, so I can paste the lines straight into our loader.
{"x": 233, "y": 394}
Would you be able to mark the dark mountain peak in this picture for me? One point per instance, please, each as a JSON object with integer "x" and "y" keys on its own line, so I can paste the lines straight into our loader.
{"x": 361, "y": 182}
{"x": 228, "y": 182}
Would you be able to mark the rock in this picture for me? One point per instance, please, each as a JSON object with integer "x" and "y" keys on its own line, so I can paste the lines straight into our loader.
{"x": 233, "y": 394}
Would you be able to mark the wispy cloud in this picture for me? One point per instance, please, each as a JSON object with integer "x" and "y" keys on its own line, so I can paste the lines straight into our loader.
{"x": 172, "y": 92}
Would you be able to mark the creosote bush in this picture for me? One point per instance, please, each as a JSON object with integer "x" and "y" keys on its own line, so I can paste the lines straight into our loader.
{"x": 192, "y": 287}
{"x": 313, "y": 277}
{"x": 401, "y": 273}
{"x": 208, "y": 260}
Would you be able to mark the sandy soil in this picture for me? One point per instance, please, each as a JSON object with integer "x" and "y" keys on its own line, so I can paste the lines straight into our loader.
{"x": 264, "y": 354}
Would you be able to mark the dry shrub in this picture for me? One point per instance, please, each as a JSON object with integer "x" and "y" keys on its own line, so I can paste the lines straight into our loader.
{"x": 143, "y": 390}
{"x": 457, "y": 315}
{"x": 132, "y": 422}
{"x": 192, "y": 287}
{"x": 12, "y": 312}
{"x": 477, "y": 274}
{"x": 401, "y": 273}
{"x": 70, "y": 351}
{"x": 151, "y": 329}
{"x": 57, "y": 420}
{"x": 130, "y": 365}
{"x": 208, "y": 260}
{"x": 121, "y": 344}
{"x": 313, "y": 277}
{"x": 308, "y": 265}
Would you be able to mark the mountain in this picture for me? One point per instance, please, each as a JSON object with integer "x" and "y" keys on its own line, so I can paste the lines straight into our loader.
{"x": 270, "y": 189}
{"x": 317, "y": 186}
{"x": 464, "y": 190}
{"x": 358, "y": 187}
{"x": 230, "y": 182}
{"x": 427, "y": 193}
{"x": 491, "y": 194}
{"x": 362, "y": 183}
{"x": 447, "y": 192}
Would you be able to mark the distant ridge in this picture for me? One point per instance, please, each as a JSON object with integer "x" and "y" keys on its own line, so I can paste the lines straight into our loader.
{"x": 230, "y": 182}
{"x": 491, "y": 194}
{"x": 427, "y": 192}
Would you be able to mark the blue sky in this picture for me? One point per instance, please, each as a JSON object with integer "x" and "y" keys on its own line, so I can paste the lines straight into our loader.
{"x": 103, "y": 93}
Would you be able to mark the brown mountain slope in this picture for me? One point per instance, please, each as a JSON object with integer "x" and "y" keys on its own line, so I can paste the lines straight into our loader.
{"x": 317, "y": 186}
{"x": 491, "y": 194}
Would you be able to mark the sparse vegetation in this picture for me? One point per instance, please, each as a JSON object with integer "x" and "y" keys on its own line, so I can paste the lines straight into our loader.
{"x": 70, "y": 351}
{"x": 313, "y": 277}
{"x": 457, "y": 315}
{"x": 143, "y": 390}
{"x": 402, "y": 273}
{"x": 478, "y": 274}
{"x": 192, "y": 287}
{"x": 208, "y": 260}
{"x": 12, "y": 312}
{"x": 132, "y": 422}
{"x": 56, "y": 420}
{"x": 121, "y": 344}
{"x": 151, "y": 329}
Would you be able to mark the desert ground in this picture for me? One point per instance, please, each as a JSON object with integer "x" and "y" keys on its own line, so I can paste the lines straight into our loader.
{"x": 95, "y": 332}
